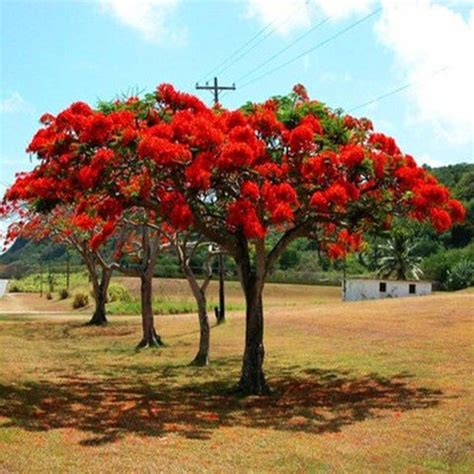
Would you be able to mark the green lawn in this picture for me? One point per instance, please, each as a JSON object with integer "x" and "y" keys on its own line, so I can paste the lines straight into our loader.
{"x": 381, "y": 386}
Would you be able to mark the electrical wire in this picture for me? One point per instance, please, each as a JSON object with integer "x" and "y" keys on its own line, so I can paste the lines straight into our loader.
{"x": 396, "y": 91}
{"x": 237, "y": 51}
{"x": 313, "y": 48}
{"x": 241, "y": 56}
{"x": 283, "y": 50}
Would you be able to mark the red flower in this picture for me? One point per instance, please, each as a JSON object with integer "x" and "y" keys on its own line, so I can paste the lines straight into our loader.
{"x": 88, "y": 176}
{"x": 336, "y": 251}
{"x": 242, "y": 215}
{"x": 312, "y": 122}
{"x": 84, "y": 222}
{"x": 384, "y": 143}
{"x": 352, "y": 155}
{"x": 336, "y": 194}
{"x": 250, "y": 190}
{"x": 434, "y": 193}
{"x": 301, "y": 92}
{"x": 198, "y": 175}
{"x": 457, "y": 210}
{"x": 301, "y": 139}
{"x": 235, "y": 156}
{"x": 440, "y": 219}
{"x": 163, "y": 152}
{"x": 319, "y": 201}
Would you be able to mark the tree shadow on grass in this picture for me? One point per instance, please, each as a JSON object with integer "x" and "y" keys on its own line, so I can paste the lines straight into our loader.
{"x": 318, "y": 401}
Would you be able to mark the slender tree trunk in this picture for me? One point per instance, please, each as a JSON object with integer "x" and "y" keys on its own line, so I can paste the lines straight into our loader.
{"x": 150, "y": 337}
{"x": 199, "y": 293}
{"x": 202, "y": 357}
{"x": 100, "y": 289}
{"x": 252, "y": 380}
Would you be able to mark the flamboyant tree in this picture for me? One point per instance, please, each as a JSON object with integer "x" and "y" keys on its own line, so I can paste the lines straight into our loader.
{"x": 185, "y": 249}
{"x": 143, "y": 248}
{"x": 78, "y": 231}
{"x": 251, "y": 180}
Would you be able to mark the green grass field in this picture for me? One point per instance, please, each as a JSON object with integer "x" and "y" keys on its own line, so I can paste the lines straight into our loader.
{"x": 381, "y": 386}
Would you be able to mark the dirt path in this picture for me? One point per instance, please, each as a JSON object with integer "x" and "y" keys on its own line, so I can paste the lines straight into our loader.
{"x": 31, "y": 303}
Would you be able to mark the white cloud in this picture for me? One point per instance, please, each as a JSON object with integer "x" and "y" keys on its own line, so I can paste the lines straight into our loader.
{"x": 149, "y": 17}
{"x": 339, "y": 9}
{"x": 426, "y": 38}
{"x": 285, "y": 16}
{"x": 15, "y": 104}
{"x": 426, "y": 159}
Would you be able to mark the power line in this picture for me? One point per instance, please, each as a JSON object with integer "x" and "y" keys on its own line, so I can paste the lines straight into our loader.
{"x": 237, "y": 51}
{"x": 238, "y": 58}
{"x": 396, "y": 91}
{"x": 313, "y": 48}
{"x": 283, "y": 50}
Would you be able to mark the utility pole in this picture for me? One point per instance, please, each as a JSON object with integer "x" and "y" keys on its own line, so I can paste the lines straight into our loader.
{"x": 68, "y": 268}
{"x": 221, "y": 317}
{"x": 215, "y": 88}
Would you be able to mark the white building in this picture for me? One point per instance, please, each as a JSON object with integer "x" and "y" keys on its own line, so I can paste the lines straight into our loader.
{"x": 355, "y": 289}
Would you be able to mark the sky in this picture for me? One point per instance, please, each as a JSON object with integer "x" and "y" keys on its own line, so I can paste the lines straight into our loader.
{"x": 412, "y": 61}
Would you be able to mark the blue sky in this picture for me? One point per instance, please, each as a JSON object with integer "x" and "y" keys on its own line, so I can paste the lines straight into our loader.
{"x": 57, "y": 52}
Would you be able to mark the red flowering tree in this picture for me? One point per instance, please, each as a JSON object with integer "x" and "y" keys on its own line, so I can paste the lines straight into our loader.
{"x": 250, "y": 180}
{"x": 141, "y": 253}
{"x": 79, "y": 231}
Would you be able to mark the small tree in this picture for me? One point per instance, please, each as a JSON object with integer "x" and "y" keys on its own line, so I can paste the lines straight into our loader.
{"x": 185, "y": 251}
{"x": 145, "y": 248}
{"x": 398, "y": 257}
{"x": 77, "y": 230}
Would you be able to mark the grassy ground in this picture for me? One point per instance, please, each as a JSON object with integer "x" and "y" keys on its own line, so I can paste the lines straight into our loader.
{"x": 171, "y": 296}
{"x": 380, "y": 386}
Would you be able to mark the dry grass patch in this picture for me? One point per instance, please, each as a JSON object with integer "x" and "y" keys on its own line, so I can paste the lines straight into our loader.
{"x": 380, "y": 386}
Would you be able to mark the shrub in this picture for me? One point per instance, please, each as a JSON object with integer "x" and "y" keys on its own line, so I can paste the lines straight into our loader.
{"x": 80, "y": 300}
{"x": 118, "y": 293}
{"x": 461, "y": 275}
{"x": 437, "y": 266}
{"x": 14, "y": 288}
{"x": 63, "y": 294}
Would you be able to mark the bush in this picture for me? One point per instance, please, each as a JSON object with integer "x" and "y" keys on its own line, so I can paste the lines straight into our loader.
{"x": 14, "y": 288}
{"x": 437, "y": 266}
{"x": 461, "y": 275}
{"x": 118, "y": 293}
{"x": 80, "y": 300}
{"x": 63, "y": 294}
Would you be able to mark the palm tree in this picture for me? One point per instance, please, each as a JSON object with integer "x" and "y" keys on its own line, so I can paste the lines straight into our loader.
{"x": 398, "y": 258}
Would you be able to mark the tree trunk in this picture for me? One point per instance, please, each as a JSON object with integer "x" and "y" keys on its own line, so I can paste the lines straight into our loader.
{"x": 202, "y": 357}
{"x": 150, "y": 337}
{"x": 100, "y": 289}
{"x": 99, "y": 317}
{"x": 252, "y": 380}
